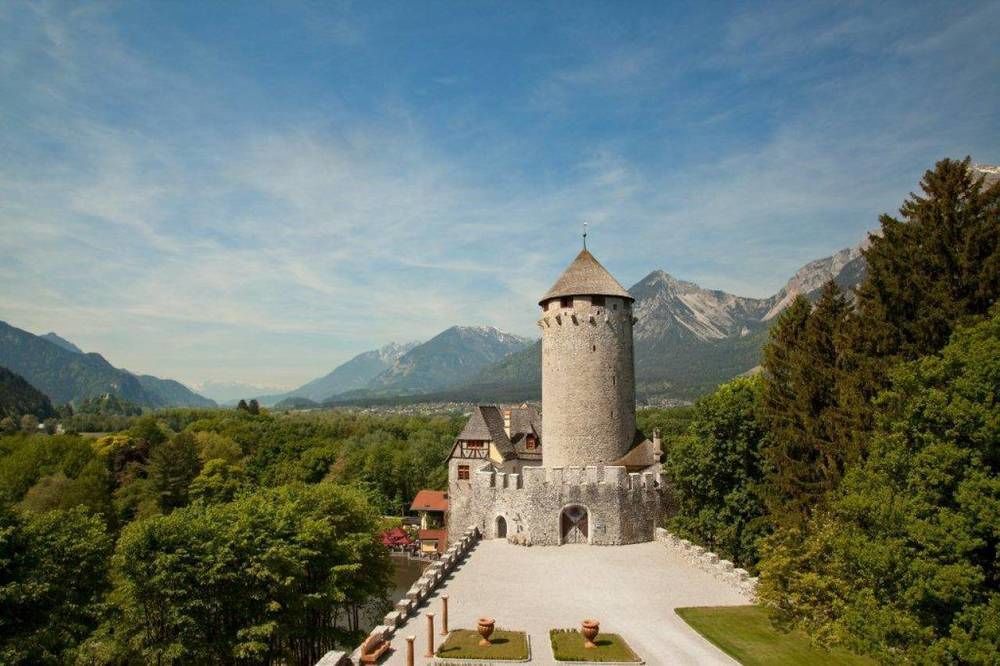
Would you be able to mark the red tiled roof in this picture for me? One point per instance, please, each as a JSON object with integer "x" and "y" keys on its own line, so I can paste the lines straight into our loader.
{"x": 430, "y": 500}
{"x": 440, "y": 536}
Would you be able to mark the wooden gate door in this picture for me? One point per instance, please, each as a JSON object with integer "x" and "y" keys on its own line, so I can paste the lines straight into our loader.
{"x": 574, "y": 524}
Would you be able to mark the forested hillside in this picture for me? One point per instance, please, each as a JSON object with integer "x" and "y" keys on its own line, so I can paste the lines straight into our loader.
{"x": 58, "y": 369}
{"x": 18, "y": 397}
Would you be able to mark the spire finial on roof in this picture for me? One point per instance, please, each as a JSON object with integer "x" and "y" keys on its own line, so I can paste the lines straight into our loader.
{"x": 584, "y": 235}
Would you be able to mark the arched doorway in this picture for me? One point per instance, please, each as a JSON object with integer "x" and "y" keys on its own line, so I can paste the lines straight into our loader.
{"x": 501, "y": 527}
{"x": 573, "y": 524}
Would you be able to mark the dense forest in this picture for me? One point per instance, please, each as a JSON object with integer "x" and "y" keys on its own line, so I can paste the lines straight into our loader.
{"x": 18, "y": 398}
{"x": 204, "y": 536}
{"x": 859, "y": 473}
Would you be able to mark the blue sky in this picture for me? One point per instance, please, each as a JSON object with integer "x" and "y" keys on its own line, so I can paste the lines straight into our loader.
{"x": 257, "y": 191}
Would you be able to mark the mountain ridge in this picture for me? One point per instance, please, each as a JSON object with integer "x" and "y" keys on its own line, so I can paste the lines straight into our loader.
{"x": 64, "y": 375}
{"x": 353, "y": 374}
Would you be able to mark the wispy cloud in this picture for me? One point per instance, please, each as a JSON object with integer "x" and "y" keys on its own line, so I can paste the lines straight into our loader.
{"x": 162, "y": 202}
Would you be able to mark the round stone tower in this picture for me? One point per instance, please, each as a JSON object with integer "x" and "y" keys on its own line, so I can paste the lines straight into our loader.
{"x": 588, "y": 367}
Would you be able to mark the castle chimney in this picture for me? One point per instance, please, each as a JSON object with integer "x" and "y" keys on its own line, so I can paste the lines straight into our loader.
{"x": 506, "y": 421}
{"x": 657, "y": 443}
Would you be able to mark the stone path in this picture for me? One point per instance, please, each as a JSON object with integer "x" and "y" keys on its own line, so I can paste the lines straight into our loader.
{"x": 631, "y": 590}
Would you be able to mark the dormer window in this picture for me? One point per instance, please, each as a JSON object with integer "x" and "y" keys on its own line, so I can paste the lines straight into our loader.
{"x": 566, "y": 302}
{"x": 530, "y": 443}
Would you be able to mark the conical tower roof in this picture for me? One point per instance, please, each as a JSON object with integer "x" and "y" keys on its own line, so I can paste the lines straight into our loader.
{"x": 586, "y": 277}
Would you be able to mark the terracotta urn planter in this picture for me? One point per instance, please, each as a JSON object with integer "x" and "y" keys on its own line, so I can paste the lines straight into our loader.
{"x": 485, "y": 627}
{"x": 589, "y": 629}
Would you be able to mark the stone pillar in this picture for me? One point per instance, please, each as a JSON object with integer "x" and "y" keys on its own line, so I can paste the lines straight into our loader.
{"x": 430, "y": 635}
{"x": 444, "y": 614}
{"x": 409, "y": 650}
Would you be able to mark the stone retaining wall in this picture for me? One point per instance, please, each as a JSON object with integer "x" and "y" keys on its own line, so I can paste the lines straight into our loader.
{"x": 724, "y": 570}
{"x": 422, "y": 589}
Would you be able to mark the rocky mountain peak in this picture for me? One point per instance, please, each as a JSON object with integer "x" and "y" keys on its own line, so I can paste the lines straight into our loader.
{"x": 664, "y": 304}
{"x": 845, "y": 266}
{"x": 391, "y": 352}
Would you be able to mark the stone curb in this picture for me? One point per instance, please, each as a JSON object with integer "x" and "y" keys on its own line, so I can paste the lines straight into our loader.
{"x": 724, "y": 570}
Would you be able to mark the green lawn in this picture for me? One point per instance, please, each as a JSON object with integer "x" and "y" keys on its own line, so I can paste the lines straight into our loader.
{"x": 567, "y": 645}
{"x": 746, "y": 634}
{"x": 464, "y": 644}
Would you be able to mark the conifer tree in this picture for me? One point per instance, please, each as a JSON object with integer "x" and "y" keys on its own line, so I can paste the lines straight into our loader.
{"x": 173, "y": 465}
{"x": 927, "y": 272}
{"x": 801, "y": 405}
{"x": 935, "y": 267}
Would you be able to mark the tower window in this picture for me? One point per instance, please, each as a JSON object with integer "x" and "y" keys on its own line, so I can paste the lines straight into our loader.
{"x": 566, "y": 302}
{"x": 593, "y": 348}
{"x": 463, "y": 472}
{"x": 597, "y": 301}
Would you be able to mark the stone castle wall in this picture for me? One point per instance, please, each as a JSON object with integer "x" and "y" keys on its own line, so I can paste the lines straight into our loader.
{"x": 588, "y": 382}
{"x": 622, "y": 507}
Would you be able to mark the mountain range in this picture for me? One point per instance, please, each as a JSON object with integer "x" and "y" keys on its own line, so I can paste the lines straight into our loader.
{"x": 64, "y": 373}
{"x": 687, "y": 340}
{"x": 350, "y": 376}
{"x": 453, "y": 357}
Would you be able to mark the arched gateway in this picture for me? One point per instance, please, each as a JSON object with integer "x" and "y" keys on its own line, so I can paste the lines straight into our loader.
{"x": 501, "y": 527}
{"x": 574, "y": 525}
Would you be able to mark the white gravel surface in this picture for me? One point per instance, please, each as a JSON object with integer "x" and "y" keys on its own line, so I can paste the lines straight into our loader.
{"x": 631, "y": 590}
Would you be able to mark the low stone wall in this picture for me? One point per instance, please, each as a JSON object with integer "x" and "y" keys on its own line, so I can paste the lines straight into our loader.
{"x": 421, "y": 589}
{"x": 724, "y": 570}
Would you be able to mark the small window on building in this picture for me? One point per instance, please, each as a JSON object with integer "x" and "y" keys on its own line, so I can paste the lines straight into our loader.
{"x": 531, "y": 443}
{"x": 475, "y": 444}
{"x": 463, "y": 472}
{"x": 614, "y": 307}
{"x": 597, "y": 301}
{"x": 566, "y": 302}
{"x": 593, "y": 348}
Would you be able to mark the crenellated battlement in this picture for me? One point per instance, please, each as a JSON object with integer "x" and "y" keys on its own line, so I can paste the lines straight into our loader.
{"x": 592, "y": 475}
{"x": 592, "y": 316}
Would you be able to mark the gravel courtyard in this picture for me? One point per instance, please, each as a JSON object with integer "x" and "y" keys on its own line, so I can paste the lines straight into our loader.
{"x": 631, "y": 590}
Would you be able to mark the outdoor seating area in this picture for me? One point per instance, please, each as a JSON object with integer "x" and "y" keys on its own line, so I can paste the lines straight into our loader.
{"x": 421, "y": 545}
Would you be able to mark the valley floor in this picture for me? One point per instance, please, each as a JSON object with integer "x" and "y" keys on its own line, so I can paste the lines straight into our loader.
{"x": 631, "y": 590}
